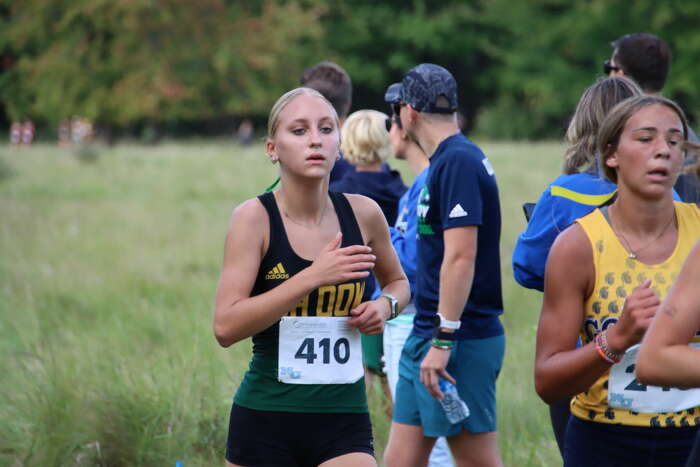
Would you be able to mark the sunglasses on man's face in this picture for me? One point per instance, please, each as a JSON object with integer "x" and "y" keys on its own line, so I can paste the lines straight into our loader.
{"x": 391, "y": 120}
{"x": 609, "y": 67}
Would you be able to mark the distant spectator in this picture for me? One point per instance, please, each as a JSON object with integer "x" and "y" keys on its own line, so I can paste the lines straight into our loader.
{"x": 245, "y": 132}
{"x": 64, "y": 137}
{"x": 16, "y": 134}
{"x": 81, "y": 130}
{"x": 27, "y": 133}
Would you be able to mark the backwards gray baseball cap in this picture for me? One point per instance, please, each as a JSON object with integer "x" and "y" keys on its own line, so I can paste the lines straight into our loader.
{"x": 422, "y": 86}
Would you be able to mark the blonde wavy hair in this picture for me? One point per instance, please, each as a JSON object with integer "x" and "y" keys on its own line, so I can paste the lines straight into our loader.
{"x": 364, "y": 138}
{"x": 594, "y": 105}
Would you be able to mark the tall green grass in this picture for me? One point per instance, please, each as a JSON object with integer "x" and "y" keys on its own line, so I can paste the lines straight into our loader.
{"x": 107, "y": 278}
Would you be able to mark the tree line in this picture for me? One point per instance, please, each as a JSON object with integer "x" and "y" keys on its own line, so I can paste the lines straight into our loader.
{"x": 521, "y": 65}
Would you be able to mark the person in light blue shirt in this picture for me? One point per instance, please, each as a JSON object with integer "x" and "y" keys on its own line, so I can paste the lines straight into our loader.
{"x": 403, "y": 237}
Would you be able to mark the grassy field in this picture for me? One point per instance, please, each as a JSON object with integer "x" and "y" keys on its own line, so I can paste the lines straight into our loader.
{"x": 107, "y": 276}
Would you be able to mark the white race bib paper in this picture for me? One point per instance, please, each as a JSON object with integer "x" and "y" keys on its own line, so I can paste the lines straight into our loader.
{"x": 318, "y": 350}
{"x": 625, "y": 392}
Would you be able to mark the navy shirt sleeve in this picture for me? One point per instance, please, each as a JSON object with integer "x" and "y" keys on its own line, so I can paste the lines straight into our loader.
{"x": 461, "y": 203}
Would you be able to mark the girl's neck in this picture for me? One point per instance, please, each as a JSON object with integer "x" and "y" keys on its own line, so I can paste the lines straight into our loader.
{"x": 641, "y": 216}
{"x": 303, "y": 202}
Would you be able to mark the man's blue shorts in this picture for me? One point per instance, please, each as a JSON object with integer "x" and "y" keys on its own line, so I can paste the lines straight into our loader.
{"x": 474, "y": 364}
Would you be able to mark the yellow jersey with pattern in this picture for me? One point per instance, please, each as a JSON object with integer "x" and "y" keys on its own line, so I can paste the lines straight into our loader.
{"x": 616, "y": 276}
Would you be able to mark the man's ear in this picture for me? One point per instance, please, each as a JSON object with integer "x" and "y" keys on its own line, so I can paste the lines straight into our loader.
{"x": 412, "y": 114}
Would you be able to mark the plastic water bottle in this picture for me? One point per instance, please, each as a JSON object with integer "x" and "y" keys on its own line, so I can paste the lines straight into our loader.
{"x": 455, "y": 408}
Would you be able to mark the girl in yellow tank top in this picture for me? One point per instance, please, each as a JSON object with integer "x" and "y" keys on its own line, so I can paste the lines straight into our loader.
{"x": 605, "y": 278}
{"x": 616, "y": 276}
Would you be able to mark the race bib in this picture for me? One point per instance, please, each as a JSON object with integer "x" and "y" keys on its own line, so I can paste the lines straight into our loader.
{"x": 625, "y": 392}
{"x": 318, "y": 350}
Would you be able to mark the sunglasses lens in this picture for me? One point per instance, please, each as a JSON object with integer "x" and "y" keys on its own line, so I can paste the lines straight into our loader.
{"x": 608, "y": 67}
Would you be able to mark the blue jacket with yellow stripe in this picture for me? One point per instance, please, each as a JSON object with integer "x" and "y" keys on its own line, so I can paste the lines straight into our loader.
{"x": 566, "y": 199}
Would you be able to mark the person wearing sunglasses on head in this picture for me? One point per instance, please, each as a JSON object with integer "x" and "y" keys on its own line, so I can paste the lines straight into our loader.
{"x": 646, "y": 58}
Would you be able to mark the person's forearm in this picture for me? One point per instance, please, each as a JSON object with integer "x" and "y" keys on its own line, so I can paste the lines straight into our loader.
{"x": 399, "y": 288}
{"x": 671, "y": 366}
{"x": 456, "y": 276}
{"x": 239, "y": 320}
{"x": 568, "y": 373}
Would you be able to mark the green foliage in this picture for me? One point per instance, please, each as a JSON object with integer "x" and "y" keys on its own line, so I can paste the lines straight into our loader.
{"x": 121, "y": 62}
{"x": 378, "y": 42}
{"x": 551, "y": 50}
{"x": 521, "y": 66}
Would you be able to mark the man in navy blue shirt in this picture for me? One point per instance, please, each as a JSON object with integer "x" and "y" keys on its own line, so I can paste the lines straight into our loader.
{"x": 457, "y": 335}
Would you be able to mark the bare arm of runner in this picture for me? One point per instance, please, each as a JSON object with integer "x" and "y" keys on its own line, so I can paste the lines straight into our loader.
{"x": 561, "y": 369}
{"x": 665, "y": 359}
{"x": 369, "y": 317}
{"x": 237, "y": 315}
{"x": 456, "y": 277}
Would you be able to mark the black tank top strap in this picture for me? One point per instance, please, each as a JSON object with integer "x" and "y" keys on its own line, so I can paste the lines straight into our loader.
{"x": 278, "y": 236}
{"x": 352, "y": 235}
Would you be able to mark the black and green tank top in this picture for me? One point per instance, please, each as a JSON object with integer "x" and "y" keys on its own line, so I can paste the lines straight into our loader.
{"x": 260, "y": 388}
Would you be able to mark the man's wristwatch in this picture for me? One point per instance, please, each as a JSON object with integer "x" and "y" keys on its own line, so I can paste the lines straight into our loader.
{"x": 440, "y": 322}
{"x": 394, "y": 305}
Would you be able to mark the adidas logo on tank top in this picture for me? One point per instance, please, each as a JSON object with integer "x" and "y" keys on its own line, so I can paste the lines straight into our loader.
{"x": 277, "y": 272}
